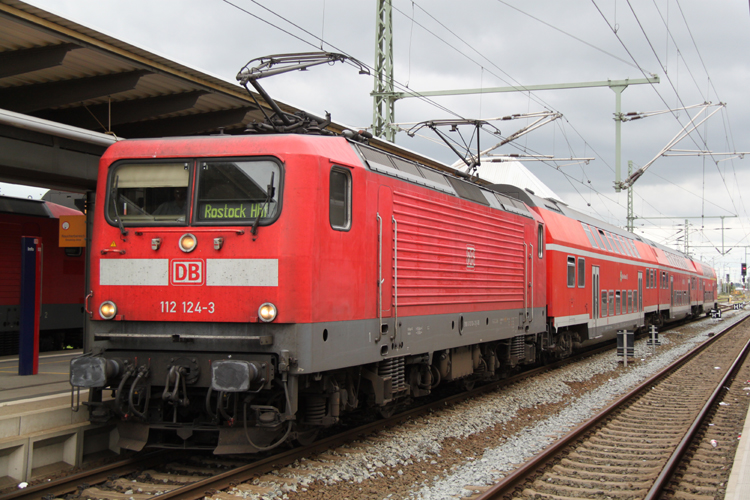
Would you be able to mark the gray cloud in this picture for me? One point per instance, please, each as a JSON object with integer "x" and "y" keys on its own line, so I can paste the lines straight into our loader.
{"x": 506, "y": 46}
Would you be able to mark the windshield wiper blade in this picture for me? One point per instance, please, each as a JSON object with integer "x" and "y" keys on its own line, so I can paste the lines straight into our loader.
{"x": 114, "y": 204}
{"x": 270, "y": 191}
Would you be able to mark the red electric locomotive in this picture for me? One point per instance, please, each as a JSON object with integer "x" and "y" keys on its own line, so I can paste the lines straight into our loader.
{"x": 61, "y": 321}
{"x": 250, "y": 289}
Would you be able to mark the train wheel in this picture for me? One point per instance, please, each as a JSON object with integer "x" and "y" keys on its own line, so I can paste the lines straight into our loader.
{"x": 306, "y": 435}
{"x": 387, "y": 411}
{"x": 467, "y": 384}
{"x": 565, "y": 345}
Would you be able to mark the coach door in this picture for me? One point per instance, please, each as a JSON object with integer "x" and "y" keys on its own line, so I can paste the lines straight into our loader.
{"x": 595, "y": 312}
{"x": 386, "y": 263}
{"x": 671, "y": 290}
{"x": 639, "y": 304}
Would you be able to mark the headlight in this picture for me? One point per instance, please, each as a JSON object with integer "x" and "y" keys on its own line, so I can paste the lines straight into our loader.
{"x": 188, "y": 242}
{"x": 107, "y": 310}
{"x": 267, "y": 312}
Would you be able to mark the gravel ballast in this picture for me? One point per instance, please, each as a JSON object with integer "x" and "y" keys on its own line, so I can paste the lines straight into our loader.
{"x": 460, "y": 450}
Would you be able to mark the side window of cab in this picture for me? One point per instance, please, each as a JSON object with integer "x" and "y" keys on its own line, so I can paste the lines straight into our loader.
{"x": 340, "y": 199}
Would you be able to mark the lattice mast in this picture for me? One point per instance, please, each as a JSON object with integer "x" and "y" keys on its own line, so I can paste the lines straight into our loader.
{"x": 384, "y": 104}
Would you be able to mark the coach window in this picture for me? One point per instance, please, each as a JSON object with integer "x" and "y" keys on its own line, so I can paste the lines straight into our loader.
{"x": 581, "y": 272}
{"x": 630, "y": 301}
{"x": 340, "y": 199}
{"x": 596, "y": 238}
{"x": 604, "y": 303}
{"x": 611, "y": 303}
{"x": 625, "y": 245}
{"x": 604, "y": 239}
{"x": 588, "y": 235}
{"x": 616, "y": 244}
{"x": 540, "y": 240}
{"x": 617, "y": 302}
{"x": 571, "y": 272}
{"x": 612, "y": 241}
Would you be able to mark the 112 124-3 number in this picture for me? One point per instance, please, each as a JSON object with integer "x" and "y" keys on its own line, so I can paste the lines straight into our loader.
{"x": 170, "y": 307}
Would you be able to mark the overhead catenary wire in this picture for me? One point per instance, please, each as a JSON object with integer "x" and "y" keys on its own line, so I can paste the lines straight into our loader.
{"x": 515, "y": 82}
{"x": 703, "y": 140}
{"x": 307, "y": 42}
{"x": 567, "y": 123}
{"x": 323, "y": 41}
{"x": 672, "y": 84}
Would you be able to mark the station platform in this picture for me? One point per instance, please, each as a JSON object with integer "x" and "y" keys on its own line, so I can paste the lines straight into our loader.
{"x": 52, "y": 379}
{"x": 39, "y": 434}
{"x": 738, "y": 487}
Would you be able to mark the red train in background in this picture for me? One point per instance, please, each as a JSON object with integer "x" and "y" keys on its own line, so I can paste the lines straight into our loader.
{"x": 61, "y": 322}
{"x": 603, "y": 279}
{"x": 249, "y": 290}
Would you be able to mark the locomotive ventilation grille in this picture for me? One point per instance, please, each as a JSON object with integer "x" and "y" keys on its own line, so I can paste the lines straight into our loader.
{"x": 396, "y": 369}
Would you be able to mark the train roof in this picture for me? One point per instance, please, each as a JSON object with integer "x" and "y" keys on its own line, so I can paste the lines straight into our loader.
{"x": 668, "y": 256}
{"x": 337, "y": 148}
{"x": 34, "y": 208}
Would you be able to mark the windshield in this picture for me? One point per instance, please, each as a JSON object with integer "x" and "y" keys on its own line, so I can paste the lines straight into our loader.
{"x": 229, "y": 192}
{"x": 237, "y": 191}
{"x": 142, "y": 193}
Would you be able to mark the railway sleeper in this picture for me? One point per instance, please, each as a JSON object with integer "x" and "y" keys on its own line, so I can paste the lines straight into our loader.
{"x": 599, "y": 475}
{"x": 623, "y": 451}
{"x": 626, "y": 483}
{"x": 601, "y": 490}
{"x": 608, "y": 468}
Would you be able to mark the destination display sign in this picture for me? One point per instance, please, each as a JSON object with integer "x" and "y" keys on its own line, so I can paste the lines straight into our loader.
{"x": 231, "y": 211}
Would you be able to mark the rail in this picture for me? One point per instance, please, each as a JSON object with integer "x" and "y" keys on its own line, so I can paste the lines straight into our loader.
{"x": 522, "y": 474}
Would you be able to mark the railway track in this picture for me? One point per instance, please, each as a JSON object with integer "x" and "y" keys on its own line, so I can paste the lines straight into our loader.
{"x": 197, "y": 476}
{"x": 156, "y": 472}
{"x": 653, "y": 441}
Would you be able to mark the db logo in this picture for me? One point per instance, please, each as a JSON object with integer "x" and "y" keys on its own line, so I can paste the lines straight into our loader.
{"x": 471, "y": 257}
{"x": 187, "y": 272}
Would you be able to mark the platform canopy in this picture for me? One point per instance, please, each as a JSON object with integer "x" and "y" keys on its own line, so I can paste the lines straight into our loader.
{"x": 67, "y": 92}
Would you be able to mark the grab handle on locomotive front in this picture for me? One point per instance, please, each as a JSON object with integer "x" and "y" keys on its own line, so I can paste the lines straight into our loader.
{"x": 86, "y": 304}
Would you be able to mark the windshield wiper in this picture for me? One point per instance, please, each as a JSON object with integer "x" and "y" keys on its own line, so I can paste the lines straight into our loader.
{"x": 270, "y": 191}
{"x": 114, "y": 204}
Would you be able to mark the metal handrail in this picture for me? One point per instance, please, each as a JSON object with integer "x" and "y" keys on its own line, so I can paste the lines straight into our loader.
{"x": 395, "y": 276}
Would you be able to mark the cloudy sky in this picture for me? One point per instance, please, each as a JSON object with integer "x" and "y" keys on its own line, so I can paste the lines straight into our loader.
{"x": 699, "y": 49}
